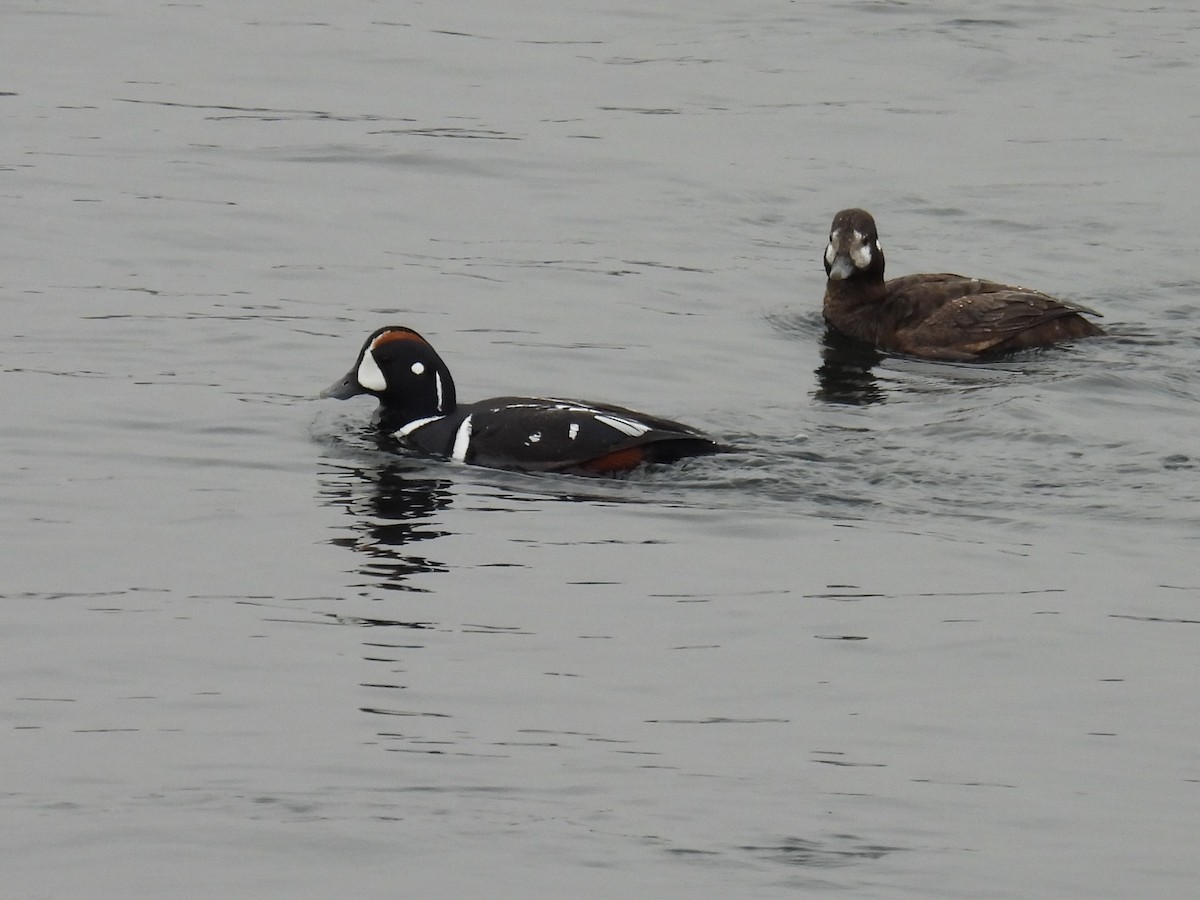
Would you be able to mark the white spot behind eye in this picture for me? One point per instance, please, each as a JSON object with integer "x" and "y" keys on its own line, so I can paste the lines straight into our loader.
{"x": 418, "y": 368}
{"x": 369, "y": 375}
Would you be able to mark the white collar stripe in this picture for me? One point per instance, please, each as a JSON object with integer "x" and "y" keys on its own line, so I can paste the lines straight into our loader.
{"x": 406, "y": 430}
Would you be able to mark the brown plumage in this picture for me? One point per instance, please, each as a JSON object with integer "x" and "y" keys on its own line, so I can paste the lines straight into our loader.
{"x": 935, "y": 316}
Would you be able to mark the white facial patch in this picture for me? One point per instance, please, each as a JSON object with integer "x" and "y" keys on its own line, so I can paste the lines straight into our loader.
{"x": 625, "y": 426}
{"x": 830, "y": 253}
{"x": 418, "y": 368}
{"x": 860, "y": 253}
{"x": 369, "y": 375}
{"x": 462, "y": 441}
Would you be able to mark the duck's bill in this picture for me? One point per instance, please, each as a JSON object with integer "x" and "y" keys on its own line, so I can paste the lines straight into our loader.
{"x": 841, "y": 268}
{"x": 344, "y": 387}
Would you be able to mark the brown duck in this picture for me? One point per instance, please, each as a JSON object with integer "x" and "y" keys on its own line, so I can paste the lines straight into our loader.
{"x": 935, "y": 316}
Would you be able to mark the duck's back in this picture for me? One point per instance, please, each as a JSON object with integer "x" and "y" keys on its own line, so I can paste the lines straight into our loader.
{"x": 537, "y": 434}
{"x": 951, "y": 316}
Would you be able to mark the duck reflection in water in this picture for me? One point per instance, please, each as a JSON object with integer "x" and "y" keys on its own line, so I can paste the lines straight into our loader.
{"x": 847, "y": 371}
{"x": 393, "y": 507}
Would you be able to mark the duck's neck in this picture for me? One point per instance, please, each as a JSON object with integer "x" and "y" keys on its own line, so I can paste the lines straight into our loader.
{"x": 394, "y": 416}
{"x": 427, "y": 395}
{"x": 856, "y": 307}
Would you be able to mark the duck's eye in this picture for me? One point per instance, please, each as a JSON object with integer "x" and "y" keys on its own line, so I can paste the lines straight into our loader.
{"x": 418, "y": 368}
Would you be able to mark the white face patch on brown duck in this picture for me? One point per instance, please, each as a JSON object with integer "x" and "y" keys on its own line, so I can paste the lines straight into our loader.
{"x": 860, "y": 250}
{"x": 848, "y": 253}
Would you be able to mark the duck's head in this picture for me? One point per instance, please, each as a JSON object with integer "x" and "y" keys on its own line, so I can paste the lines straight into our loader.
{"x": 403, "y": 370}
{"x": 853, "y": 247}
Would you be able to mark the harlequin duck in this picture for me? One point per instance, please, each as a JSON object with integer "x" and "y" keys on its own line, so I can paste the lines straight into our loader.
{"x": 418, "y": 408}
{"x": 935, "y": 316}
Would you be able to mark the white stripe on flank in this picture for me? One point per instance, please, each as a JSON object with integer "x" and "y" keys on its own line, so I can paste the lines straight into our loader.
{"x": 625, "y": 426}
{"x": 462, "y": 441}
{"x": 369, "y": 375}
{"x": 406, "y": 430}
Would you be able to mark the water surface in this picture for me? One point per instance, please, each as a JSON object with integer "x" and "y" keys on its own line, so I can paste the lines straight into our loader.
{"x": 930, "y": 632}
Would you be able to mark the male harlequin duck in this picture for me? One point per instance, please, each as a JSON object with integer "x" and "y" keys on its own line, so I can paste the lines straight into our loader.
{"x": 935, "y": 316}
{"x": 533, "y": 434}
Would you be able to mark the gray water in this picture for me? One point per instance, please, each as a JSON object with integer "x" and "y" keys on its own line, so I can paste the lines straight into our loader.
{"x": 931, "y": 632}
